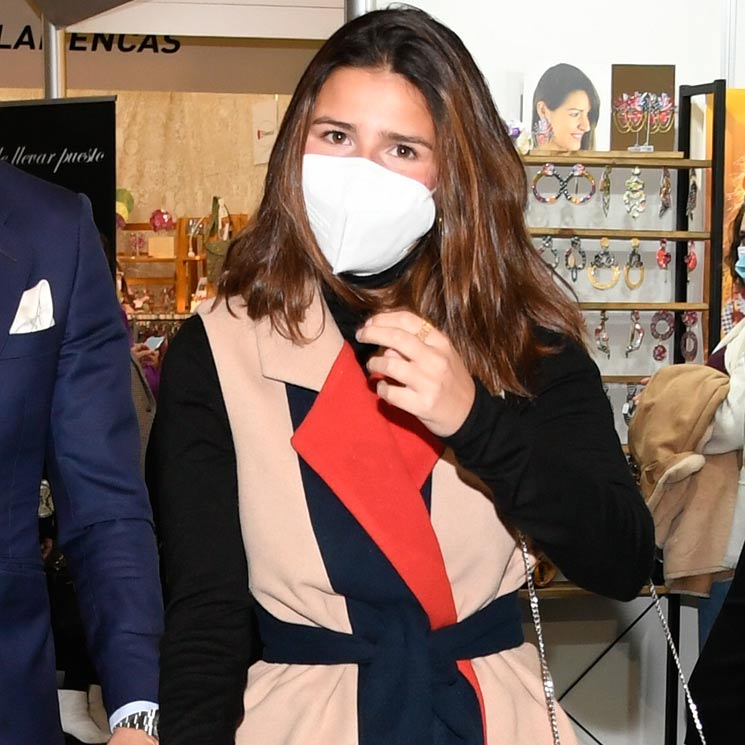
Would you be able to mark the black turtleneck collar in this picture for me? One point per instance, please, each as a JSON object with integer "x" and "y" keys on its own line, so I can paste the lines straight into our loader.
{"x": 350, "y": 319}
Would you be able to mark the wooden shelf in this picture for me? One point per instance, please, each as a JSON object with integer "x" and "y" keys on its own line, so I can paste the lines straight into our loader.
{"x": 143, "y": 259}
{"x": 150, "y": 280}
{"x": 642, "y": 235}
{"x": 138, "y": 316}
{"x": 635, "y": 379}
{"x": 189, "y": 269}
{"x": 563, "y": 589}
{"x": 615, "y": 160}
{"x": 645, "y": 306}
{"x": 141, "y": 226}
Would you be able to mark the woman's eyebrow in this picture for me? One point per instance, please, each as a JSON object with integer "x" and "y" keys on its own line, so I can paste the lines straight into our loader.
{"x": 334, "y": 123}
{"x": 413, "y": 139}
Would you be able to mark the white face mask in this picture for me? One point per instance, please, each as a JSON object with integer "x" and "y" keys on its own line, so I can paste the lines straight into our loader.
{"x": 365, "y": 218}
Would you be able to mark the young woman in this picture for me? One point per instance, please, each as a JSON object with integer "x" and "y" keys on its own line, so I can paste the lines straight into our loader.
{"x": 565, "y": 110}
{"x": 387, "y": 388}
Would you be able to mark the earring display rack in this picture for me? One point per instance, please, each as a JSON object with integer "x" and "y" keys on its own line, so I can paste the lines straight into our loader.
{"x": 687, "y": 292}
{"x": 691, "y": 238}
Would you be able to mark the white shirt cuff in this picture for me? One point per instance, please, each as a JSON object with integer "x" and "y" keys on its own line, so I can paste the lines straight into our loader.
{"x": 127, "y": 709}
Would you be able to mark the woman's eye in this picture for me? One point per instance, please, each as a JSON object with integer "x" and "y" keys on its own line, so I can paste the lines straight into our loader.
{"x": 404, "y": 151}
{"x": 336, "y": 137}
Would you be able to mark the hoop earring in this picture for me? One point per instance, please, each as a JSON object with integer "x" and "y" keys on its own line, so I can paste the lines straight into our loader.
{"x": 634, "y": 262}
{"x": 604, "y": 259}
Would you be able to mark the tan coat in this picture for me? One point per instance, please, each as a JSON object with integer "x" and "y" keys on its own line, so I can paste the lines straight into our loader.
{"x": 691, "y": 495}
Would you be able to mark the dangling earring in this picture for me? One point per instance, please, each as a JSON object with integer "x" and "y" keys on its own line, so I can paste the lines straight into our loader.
{"x": 543, "y": 132}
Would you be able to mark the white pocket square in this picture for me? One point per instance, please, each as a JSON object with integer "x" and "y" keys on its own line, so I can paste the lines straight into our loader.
{"x": 35, "y": 311}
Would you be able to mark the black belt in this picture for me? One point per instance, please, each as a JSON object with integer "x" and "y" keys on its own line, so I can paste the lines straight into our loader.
{"x": 410, "y": 686}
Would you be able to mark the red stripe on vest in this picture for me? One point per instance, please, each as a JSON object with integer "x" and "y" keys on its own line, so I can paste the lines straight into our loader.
{"x": 376, "y": 458}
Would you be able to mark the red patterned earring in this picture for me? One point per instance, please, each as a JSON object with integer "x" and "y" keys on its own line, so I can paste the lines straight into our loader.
{"x": 691, "y": 261}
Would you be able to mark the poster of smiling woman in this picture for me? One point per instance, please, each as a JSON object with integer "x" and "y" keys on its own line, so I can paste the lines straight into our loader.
{"x": 565, "y": 110}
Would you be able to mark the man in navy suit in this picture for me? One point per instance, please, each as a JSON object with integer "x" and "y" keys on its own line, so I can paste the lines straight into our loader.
{"x": 65, "y": 402}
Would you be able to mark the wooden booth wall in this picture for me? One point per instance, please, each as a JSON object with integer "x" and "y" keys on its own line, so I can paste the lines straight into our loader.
{"x": 176, "y": 150}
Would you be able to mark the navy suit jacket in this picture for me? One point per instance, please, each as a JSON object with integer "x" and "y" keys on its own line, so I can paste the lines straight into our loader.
{"x": 65, "y": 401}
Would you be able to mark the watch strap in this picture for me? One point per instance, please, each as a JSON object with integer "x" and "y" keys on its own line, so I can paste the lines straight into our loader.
{"x": 146, "y": 720}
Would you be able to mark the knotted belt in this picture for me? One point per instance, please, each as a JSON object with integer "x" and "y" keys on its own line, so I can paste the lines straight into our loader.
{"x": 411, "y": 692}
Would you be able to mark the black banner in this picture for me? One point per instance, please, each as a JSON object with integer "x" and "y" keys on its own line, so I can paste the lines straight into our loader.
{"x": 70, "y": 142}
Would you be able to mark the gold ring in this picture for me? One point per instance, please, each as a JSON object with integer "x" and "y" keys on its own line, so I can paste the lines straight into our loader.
{"x": 423, "y": 332}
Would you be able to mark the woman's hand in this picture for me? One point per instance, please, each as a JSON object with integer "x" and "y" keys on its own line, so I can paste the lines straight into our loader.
{"x": 144, "y": 355}
{"x": 421, "y": 372}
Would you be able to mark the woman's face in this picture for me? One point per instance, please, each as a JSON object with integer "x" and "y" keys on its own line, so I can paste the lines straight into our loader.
{"x": 570, "y": 121}
{"x": 378, "y": 115}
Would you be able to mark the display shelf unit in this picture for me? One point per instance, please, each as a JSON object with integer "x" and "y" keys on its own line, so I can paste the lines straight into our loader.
{"x": 675, "y": 307}
{"x": 617, "y": 159}
{"x": 166, "y": 324}
{"x": 188, "y": 266}
{"x": 636, "y": 379}
{"x": 139, "y": 316}
{"x": 191, "y": 260}
{"x": 680, "y": 164}
{"x": 621, "y": 233}
{"x": 143, "y": 270}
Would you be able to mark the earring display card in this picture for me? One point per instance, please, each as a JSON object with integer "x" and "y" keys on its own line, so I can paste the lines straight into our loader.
{"x": 642, "y": 110}
{"x": 564, "y": 107}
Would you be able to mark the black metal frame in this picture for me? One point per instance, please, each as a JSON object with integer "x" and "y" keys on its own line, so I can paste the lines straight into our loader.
{"x": 718, "y": 90}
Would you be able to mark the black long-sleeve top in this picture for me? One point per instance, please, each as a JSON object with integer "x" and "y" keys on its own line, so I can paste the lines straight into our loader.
{"x": 554, "y": 464}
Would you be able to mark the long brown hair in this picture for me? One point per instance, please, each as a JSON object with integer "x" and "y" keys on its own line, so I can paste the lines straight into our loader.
{"x": 477, "y": 276}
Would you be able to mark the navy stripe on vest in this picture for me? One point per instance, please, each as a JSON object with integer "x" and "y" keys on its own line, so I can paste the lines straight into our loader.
{"x": 402, "y": 658}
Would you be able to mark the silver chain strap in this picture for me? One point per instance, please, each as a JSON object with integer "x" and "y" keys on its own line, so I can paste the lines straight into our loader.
{"x": 548, "y": 683}
{"x": 671, "y": 644}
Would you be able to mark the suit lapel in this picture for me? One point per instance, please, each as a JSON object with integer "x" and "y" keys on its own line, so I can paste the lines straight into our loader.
{"x": 373, "y": 457}
{"x": 15, "y": 267}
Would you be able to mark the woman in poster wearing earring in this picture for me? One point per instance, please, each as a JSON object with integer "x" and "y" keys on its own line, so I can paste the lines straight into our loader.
{"x": 387, "y": 388}
{"x": 565, "y": 110}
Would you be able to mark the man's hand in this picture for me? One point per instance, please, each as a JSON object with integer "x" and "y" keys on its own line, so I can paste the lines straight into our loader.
{"x": 129, "y": 736}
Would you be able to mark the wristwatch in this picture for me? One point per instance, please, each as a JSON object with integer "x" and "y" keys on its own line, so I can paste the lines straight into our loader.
{"x": 146, "y": 720}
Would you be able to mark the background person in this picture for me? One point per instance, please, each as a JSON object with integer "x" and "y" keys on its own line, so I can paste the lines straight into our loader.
{"x": 718, "y": 678}
{"x": 66, "y": 406}
{"x": 387, "y": 387}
